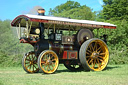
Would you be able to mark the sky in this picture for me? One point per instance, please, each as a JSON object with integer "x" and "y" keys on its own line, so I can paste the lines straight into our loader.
{"x": 11, "y": 8}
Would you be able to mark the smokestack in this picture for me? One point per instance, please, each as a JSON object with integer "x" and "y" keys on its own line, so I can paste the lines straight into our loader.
{"x": 41, "y": 12}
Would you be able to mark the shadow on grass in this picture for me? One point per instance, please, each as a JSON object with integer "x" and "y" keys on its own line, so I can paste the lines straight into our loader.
{"x": 111, "y": 67}
{"x": 107, "y": 68}
{"x": 66, "y": 70}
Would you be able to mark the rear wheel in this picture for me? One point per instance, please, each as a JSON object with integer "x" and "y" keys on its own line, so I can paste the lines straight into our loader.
{"x": 94, "y": 55}
{"x": 72, "y": 66}
{"x": 48, "y": 62}
{"x": 29, "y": 63}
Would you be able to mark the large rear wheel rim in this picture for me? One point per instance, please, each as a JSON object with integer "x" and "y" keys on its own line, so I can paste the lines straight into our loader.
{"x": 48, "y": 62}
{"x": 97, "y": 55}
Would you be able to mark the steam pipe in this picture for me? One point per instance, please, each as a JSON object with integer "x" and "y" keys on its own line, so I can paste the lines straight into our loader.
{"x": 41, "y": 25}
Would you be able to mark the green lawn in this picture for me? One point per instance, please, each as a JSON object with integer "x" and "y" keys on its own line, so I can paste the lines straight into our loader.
{"x": 113, "y": 75}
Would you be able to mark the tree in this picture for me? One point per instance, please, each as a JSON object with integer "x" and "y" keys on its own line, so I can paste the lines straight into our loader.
{"x": 73, "y": 10}
{"x": 11, "y": 51}
{"x": 115, "y": 9}
{"x": 64, "y": 7}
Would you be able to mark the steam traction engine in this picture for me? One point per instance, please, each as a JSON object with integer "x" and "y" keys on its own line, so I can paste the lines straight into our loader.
{"x": 61, "y": 40}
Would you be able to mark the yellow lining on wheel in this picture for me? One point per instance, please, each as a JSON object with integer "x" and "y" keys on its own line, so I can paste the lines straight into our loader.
{"x": 48, "y": 62}
{"x": 97, "y": 55}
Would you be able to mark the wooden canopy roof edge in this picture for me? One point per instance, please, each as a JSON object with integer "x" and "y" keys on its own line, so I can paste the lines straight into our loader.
{"x": 63, "y": 21}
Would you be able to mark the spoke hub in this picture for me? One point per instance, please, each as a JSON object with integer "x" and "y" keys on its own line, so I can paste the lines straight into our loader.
{"x": 95, "y": 54}
{"x": 31, "y": 62}
{"x": 49, "y": 62}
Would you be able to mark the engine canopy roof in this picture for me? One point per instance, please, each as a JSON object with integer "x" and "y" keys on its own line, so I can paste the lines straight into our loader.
{"x": 59, "y": 21}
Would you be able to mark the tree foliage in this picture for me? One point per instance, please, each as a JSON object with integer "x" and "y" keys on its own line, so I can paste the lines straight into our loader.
{"x": 116, "y": 12}
{"x": 10, "y": 47}
{"x": 115, "y": 9}
{"x": 73, "y": 10}
{"x": 64, "y": 7}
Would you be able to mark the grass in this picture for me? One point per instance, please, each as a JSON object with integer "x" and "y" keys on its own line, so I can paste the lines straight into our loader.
{"x": 113, "y": 75}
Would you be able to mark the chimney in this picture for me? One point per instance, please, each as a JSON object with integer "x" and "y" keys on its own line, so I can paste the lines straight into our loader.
{"x": 41, "y": 12}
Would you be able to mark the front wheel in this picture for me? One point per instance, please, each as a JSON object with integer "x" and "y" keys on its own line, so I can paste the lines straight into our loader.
{"x": 48, "y": 62}
{"x": 29, "y": 63}
{"x": 94, "y": 55}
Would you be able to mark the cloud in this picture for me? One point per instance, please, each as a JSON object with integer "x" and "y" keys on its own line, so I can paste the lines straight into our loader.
{"x": 32, "y": 10}
{"x": 101, "y": 2}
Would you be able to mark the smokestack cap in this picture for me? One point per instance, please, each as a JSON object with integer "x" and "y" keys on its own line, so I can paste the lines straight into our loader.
{"x": 41, "y": 11}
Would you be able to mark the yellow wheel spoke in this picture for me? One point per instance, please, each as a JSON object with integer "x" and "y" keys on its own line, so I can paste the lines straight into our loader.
{"x": 99, "y": 51}
{"x": 34, "y": 57}
{"x": 27, "y": 62}
{"x": 91, "y": 48}
{"x": 52, "y": 65}
{"x": 99, "y": 47}
{"x": 102, "y": 53}
{"x": 90, "y": 61}
{"x": 53, "y": 59}
{"x": 87, "y": 56}
{"x": 35, "y": 61}
{"x": 33, "y": 67}
{"x": 101, "y": 60}
{"x": 49, "y": 67}
{"x": 94, "y": 62}
{"x": 49, "y": 58}
{"x": 30, "y": 66}
{"x": 101, "y": 57}
{"x": 46, "y": 56}
{"x": 95, "y": 46}
{"x": 98, "y": 64}
{"x": 89, "y": 51}
{"x": 27, "y": 59}
{"x": 45, "y": 65}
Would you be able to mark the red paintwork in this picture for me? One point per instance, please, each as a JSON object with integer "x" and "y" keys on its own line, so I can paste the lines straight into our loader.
{"x": 64, "y": 55}
{"x": 30, "y": 42}
{"x": 39, "y": 20}
{"x": 111, "y": 27}
{"x": 16, "y": 19}
{"x": 72, "y": 55}
{"x": 69, "y": 55}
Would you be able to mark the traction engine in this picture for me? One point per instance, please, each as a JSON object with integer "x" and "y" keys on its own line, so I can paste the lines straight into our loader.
{"x": 61, "y": 40}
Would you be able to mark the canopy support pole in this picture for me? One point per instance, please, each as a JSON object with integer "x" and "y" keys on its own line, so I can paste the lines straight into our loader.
{"x": 54, "y": 28}
{"x": 98, "y": 32}
{"x": 19, "y": 32}
{"x": 27, "y": 28}
{"x": 30, "y": 28}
